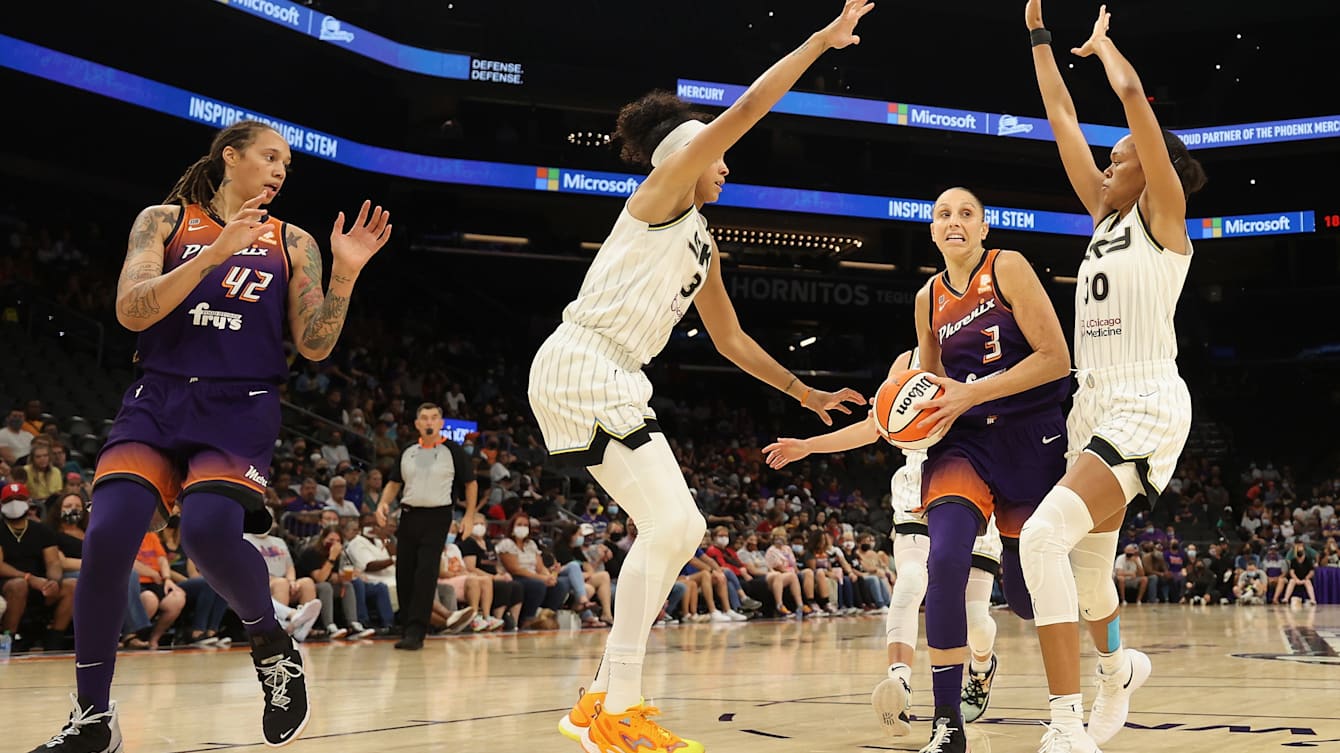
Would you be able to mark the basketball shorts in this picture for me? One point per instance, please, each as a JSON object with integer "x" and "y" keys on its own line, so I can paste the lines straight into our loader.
{"x": 586, "y": 390}
{"x": 910, "y": 520}
{"x": 1003, "y": 469}
{"x": 175, "y": 435}
{"x": 1136, "y": 413}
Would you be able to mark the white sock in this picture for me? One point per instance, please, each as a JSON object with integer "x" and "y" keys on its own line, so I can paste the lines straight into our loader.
{"x": 981, "y": 666}
{"x": 902, "y": 672}
{"x": 625, "y": 686}
{"x": 1112, "y": 663}
{"x": 1068, "y": 710}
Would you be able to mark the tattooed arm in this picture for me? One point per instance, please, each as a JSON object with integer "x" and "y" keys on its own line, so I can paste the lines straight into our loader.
{"x": 144, "y": 294}
{"x": 315, "y": 318}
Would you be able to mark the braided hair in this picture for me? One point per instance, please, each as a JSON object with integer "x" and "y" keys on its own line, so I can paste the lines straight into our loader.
{"x": 201, "y": 180}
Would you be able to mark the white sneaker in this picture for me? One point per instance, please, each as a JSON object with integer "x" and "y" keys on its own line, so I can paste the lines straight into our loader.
{"x": 357, "y": 632}
{"x": 736, "y": 616}
{"x": 494, "y": 624}
{"x": 719, "y": 616}
{"x": 892, "y": 700}
{"x": 333, "y": 631}
{"x": 301, "y": 622}
{"x": 1058, "y": 739}
{"x": 1113, "y": 701}
{"x": 479, "y": 624}
{"x": 459, "y": 620}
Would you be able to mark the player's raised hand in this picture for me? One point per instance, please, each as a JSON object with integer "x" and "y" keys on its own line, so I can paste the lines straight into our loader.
{"x": 785, "y": 450}
{"x": 242, "y": 230}
{"x": 370, "y": 232}
{"x": 840, "y": 32}
{"x": 1098, "y": 36}
{"x": 1033, "y": 15}
{"x": 821, "y": 402}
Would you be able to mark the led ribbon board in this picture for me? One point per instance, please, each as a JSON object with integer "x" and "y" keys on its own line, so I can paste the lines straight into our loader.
{"x": 1013, "y": 126}
{"x": 127, "y": 87}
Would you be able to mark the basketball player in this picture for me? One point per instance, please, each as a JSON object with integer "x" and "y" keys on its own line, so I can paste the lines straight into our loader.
{"x": 209, "y": 297}
{"x": 892, "y": 698}
{"x": 1132, "y": 412}
{"x": 588, "y": 390}
{"x": 987, "y": 328}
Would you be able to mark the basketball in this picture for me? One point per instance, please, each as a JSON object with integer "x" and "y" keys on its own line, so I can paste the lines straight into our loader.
{"x": 894, "y": 417}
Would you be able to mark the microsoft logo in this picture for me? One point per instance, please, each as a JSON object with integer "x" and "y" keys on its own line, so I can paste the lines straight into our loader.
{"x": 1212, "y": 227}
{"x": 897, "y": 114}
{"x": 546, "y": 178}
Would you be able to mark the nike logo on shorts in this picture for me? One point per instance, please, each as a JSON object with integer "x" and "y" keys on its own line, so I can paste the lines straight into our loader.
{"x": 254, "y": 393}
{"x": 253, "y": 622}
{"x": 1049, "y": 440}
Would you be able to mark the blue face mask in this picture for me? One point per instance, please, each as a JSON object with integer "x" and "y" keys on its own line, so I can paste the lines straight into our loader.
{"x": 451, "y": 538}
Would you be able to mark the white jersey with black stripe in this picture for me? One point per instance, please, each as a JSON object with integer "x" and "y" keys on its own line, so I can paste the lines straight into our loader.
{"x": 1126, "y": 296}
{"x": 642, "y": 281}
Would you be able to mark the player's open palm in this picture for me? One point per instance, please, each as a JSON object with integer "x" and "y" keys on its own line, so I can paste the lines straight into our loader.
{"x": 1099, "y": 34}
{"x": 821, "y": 402}
{"x": 369, "y": 233}
{"x": 243, "y": 230}
{"x": 841, "y": 32}
{"x": 785, "y": 450}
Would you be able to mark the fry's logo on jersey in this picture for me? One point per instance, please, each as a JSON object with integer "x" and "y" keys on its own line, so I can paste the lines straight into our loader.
{"x": 203, "y": 316}
{"x": 949, "y": 330}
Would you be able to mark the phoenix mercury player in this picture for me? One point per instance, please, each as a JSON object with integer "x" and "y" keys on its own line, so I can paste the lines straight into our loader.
{"x": 208, "y": 282}
{"x": 590, "y": 395}
{"x": 1132, "y": 412}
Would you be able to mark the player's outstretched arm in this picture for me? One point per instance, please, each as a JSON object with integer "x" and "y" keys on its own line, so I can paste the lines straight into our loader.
{"x": 789, "y": 450}
{"x": 1076, "y": 156}
{"x": 317, "y": 318}
{"x": 718, "y": 315}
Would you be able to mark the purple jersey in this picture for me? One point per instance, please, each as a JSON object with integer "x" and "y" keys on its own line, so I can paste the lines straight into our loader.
{"x": 979, "y": 338}
{"x": 231, "y": 326}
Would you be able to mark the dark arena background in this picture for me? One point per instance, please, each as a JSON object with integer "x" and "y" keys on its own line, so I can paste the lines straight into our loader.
{"x": 484, "y": 127}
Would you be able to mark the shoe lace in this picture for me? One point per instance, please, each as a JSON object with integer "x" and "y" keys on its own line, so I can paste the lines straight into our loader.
{"x": 940, "y": 738}
{"x": 79, "y": 718}
{"x": 1108, "y": 686}
{"x": 276, "y": 677}
{"x": 976, "y": 691}
{"x": 1055, "y": 740}
{"x": 639, "y": 723}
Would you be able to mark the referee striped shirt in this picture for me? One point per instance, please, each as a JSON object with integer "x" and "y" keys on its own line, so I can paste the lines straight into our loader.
{"x": 430, "y": 473}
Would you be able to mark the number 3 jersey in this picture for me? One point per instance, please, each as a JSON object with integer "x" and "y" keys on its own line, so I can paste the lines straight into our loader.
{"x": 231, "y": 325}
{"x": 979, "y": 339}
{"x": 1126, "y": 295}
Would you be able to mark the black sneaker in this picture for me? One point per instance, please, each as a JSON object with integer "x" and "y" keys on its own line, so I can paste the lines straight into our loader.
{"x": 284, "y": 684}
{"x": 977, "y": 693}
{"x": 413, "y": 640}
{"x": 86, "y": 732}
{"x": 946, "y": 737}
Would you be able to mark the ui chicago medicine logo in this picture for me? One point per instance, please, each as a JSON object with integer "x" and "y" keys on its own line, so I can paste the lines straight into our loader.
{"x": 331, "y": 31}
{"x": 1010, "y": 125}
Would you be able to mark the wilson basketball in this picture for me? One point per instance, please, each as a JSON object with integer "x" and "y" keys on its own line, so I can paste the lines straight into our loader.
{"x": 895, "y": 418}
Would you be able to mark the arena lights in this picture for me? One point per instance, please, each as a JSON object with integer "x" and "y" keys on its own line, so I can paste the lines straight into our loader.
{"x": 869, "y": 266}
{"x": 780, "y": 239}
{"x": 92, "y": 77}
{"x": 588, "y": 138}
{"x": 496, "y": 240}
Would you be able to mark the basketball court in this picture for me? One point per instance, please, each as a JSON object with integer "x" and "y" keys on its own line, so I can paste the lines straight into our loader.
{"x": 1226, "y": 680}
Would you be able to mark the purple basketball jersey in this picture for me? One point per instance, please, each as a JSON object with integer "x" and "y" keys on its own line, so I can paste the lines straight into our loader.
{"x": 231, "y": 326}
{"x": 980, "y": 338}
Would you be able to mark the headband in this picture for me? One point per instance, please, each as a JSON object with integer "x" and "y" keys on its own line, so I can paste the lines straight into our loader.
{"x": 675, "y": 140}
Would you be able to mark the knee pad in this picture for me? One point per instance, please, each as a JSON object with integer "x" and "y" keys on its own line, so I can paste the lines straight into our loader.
{"x": 981, "y": 628}
{"x": 910, "y": 554}
{"x": 1092, "y": 561}
{"x": 1058, "y": 524}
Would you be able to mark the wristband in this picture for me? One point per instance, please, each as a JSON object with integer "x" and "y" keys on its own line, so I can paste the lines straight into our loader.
{"x": 1039, "y": 36}
{"x": 805, "y": 395}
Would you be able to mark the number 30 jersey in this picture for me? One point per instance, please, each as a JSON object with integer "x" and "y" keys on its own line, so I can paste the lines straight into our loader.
{"x": 1126, "y": 295}
{"x": 231, "y": 326}
{"x": 979, "y": 338}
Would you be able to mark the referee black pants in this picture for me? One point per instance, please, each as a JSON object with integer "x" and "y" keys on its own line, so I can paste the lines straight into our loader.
{"x": 420, "y": 539}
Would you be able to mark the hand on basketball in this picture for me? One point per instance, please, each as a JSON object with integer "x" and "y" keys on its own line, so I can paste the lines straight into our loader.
{"x": 786, "y": 450}
{"x": 353, "y": 249}
{"x": 1099, "y": 34}
{"x": 838, "y": 34}
{"x": 1033, "y": 14}
{"x": 243, "y": 230}
{"x": 956, "y": 399}
{"x": 821, "y": 402}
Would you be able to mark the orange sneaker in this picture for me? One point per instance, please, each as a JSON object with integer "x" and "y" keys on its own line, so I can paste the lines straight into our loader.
{"x": 578, "y": 719}
{"x": 632, "y": 731}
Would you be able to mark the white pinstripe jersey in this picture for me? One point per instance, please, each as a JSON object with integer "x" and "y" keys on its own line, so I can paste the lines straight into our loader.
{"x": 906, "y": 483}
{"x": 1127, "y": 295}
{"x": 642, "y": 281}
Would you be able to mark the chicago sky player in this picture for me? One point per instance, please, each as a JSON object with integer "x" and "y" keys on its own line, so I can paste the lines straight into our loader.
{"x": 590, "y": 396}
{"x": 1132, "y": 412}
{"x": 209, "y": 298}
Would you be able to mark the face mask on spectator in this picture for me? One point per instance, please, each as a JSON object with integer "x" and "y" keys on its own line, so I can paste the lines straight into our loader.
{"x": 451, "y": 538}
{"x": 614, "y": 509}
{"x": 797, "y": 548}
{"x": 849, "y": 545}
{"x": 722, "y": 541}
{"x": 15, "y": 423}
{"x": 616, "y": 537}
{"x": 70, "y": 516}
{"x": 479, "y": 529}
{"x": 15, "y": 509}
{"x": 1191, "y": 551}
{"x": 521, "y": 532}
{"x": 578, "y": 540}
{"x": 865, "y": 547}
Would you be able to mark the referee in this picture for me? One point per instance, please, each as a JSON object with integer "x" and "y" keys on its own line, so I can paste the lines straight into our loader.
{"x": 429, "y": 471}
